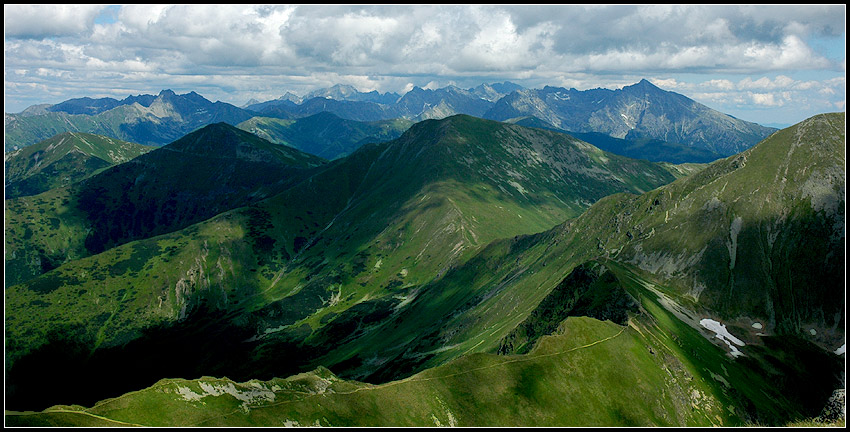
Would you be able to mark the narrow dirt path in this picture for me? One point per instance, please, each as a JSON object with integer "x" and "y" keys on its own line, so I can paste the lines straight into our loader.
{"x": 50, "y": 411}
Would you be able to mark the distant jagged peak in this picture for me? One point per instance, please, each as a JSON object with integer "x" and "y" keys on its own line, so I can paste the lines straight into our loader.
{"x": 169, "y": 94}
{"x": 36, "y": 109}
{"x": 494, "y": 91}
{"x": 347, "y": 92}
{"x": 336, "y": 90}
{"x": 290, "y": 97}
{"x": 250, "y": 102}
{"x": 643, "y": 85}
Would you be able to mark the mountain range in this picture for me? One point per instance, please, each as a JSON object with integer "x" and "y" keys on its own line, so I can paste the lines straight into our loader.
{"x": 143, "y": 119}
{"x": 468, "y": 272}
{"x": 641, "y": 112}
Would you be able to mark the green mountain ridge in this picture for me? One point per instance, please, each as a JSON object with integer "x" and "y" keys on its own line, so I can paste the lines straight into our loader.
{"x": 685, "y": 235}
{"x": 477, "y": 304}
{"x": 324, "y": 134}
{"x": 431, "y": 255}
{"x": 209, "y": 171}
{"x": 63, "y": 160}
{"x": 322, "y": 261}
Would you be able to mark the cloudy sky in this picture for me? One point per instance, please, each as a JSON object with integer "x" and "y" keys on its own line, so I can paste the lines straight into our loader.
{"x": 769, "y": 64}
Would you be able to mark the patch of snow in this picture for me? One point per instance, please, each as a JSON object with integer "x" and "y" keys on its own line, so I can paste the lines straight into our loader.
{"x": 757, "y": 325}
{"x": 840, "y": 349}
{"x": 813, "y": 332}
{"x": 723, "y": 334}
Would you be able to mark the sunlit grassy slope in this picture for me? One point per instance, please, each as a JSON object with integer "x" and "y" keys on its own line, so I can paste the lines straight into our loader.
{"x": 63, "y": 160}
{"x": 589, "y": 373}
{"x": 314, "y": 267}
{"x": 196, "y": 177}
{"x": 352, "y": 288}
{"x": 655, "y": 370}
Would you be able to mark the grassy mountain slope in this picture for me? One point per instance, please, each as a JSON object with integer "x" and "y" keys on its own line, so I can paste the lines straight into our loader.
{"x": 24, "y": 129}
{"x": 547, "y": 387}
{"x": 734, "y": 238}
{"x": 438, "y": 332}
{"x": 677, "y": 237}
{"x": 313, "y": 267}
{"x": 654, "y": 370}
{"x": 209, "y": 171}
{"x": 62, "y": 160}
{"x": 324, "y": 134}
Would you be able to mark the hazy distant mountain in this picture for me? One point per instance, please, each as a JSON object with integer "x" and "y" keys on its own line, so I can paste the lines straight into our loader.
{"x": 344, "y": 101}
{"x": 637, "y": 114}
{"x": 349, "y": 93}
{"x": 338, "y": 92}
{"x": 638, "y": 111}
{"x": 144, "y": 119}
{"x": 423, "y": 104}
{"x": 494, "y": 92}
{"x": 642, "y": 115}
{"x": 654, "y": 150}
{"x": 352, "y": 110}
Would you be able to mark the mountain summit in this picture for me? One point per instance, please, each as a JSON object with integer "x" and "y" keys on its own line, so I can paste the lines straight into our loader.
{"x": 211, "y": 170}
